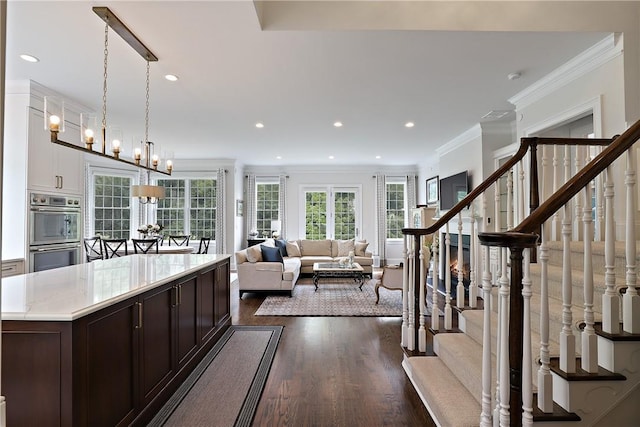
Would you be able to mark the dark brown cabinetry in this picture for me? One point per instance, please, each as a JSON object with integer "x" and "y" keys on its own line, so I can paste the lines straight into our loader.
{"x": 116, "y": 366}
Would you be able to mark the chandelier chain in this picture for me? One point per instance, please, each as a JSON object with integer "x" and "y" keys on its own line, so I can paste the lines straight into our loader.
{"x": 146, "y": 111}
{"x": 104, "y": 86}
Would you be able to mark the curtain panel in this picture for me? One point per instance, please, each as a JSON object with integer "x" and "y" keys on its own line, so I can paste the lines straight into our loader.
{"x": 221, "y": 212}
{"x": 381, "y": 215}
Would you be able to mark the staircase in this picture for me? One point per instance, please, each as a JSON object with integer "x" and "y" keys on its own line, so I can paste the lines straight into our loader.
{"x": 450, "y": 381}
{"x": 558, "y": 339}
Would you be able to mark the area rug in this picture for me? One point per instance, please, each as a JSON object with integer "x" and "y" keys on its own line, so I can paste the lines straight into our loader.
{"x": 335, "y": 298}
{"x": 225, "y": 387}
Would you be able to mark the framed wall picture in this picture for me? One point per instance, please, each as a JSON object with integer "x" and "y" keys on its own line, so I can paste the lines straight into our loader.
{"x": 239, "y": 207}
{"x": 432, "y": 190}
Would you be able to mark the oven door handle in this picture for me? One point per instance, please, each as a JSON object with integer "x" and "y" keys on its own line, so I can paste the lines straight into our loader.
{"x": 56, "y": 210}
{"x": 49, "y": 248}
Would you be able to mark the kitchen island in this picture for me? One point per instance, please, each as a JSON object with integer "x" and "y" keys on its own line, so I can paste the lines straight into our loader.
{"x": 106, "y": 343}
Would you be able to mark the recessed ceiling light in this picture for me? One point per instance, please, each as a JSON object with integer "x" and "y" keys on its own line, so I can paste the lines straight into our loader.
{"x": 171, "y": 77}
{"x": 409, "y": 124}
{"x": 378, "y": 157}
{"x": 279, "y": 157}
{"x": 259, "y": 125}
{"x": 331, "y": 157}
{"x": 29, "y": 58}
{"x": 338, "y": 124}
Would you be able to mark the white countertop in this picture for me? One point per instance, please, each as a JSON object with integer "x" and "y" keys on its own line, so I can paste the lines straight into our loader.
{"x": 68, "y": 293}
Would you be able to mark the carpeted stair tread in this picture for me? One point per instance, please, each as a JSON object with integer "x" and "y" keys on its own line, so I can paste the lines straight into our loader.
{"x": 463, "y": 357}
{"x": 446, "y": 398}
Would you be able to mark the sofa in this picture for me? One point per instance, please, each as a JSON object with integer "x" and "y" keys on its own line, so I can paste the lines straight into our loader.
{"x": 260, "y": 269}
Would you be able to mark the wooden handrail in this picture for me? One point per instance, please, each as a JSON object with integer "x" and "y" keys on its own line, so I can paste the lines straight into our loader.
{"x": 522, "y": 150}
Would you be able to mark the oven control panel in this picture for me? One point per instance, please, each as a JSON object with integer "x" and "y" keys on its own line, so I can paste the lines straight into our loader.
{"x": 54, "y": 200}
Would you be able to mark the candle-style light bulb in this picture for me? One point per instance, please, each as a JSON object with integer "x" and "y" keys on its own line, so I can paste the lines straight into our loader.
{"x": 169, "y": 166}
{"x": 137, "y": 154}
{"x": 115, "y": 146}
{"x": 154, "y": 161}
{"x": 54, "y": 123}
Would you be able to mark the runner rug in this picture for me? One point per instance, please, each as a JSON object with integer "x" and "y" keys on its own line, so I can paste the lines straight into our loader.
{"x": 333, "y": 298}
{"x": 225, "y": 387}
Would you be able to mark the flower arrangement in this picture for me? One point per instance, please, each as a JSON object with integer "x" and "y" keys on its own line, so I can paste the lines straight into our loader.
{"x": 150, "y": 229}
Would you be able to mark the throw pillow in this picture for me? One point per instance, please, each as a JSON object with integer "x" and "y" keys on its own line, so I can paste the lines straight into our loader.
{"x": 361, "y": 248}
{"x": 345, "y": 246}
{"x": 254, "y": 254}
{"x": 293, "y": 249}
{"x": 270, "y": 254}
{"x": 282, "y": 245}
{"x": 269, "y": 243}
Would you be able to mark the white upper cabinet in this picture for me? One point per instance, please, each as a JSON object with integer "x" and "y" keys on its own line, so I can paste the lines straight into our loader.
{"x": 51, "y": 167}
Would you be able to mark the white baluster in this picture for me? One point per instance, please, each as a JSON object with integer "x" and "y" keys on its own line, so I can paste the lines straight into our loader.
{"x": 460, "y": 287}
{"x": 631, "y": 299}
{"x": 448, "y": 314}
{"x": 412, "y": 297}
{"x": 405, "y": 294}
{"x": 527, "y": 360}
{"x": 422, "y": 331}
{"x": 555, "y": 230}
{"x": 599, "y": 226}
{"x": 503, "y": 364}
{"x": 610, "y": 298}
{"x": 520, "y": 193}
{"x": 567, "y": 339}
{"x": 473, "y": 287}
{"x": 589, "y": 338}
{"x": 485, "y": 416}
{"x": 435, "y": 311}
{"x": 510, "y": 206}
{"x": 545, "y": 380}
{"x": 577, "y": 206}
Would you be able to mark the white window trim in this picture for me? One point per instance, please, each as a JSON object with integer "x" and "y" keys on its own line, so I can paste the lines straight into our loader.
{"x": 92, "y": 171}
{"x": 329, "y": 189}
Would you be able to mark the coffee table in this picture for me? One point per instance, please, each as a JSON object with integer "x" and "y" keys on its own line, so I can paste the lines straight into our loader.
{"x": 335, "y": 270}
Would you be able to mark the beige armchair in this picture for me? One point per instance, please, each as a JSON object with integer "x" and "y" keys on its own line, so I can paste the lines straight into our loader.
{"x": 391, "y": 279}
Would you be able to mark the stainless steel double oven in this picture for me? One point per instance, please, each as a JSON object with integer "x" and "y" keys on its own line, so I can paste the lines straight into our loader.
{"x": 54, "y": 231}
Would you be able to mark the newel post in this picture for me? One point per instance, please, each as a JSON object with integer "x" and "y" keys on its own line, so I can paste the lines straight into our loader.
{"x": 516, "y": 243}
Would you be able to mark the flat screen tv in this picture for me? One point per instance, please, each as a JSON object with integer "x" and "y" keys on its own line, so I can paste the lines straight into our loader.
{"x": 453, "y": 189}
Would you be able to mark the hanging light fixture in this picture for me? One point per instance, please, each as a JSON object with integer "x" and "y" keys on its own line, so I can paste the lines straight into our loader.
{"x": 54, "y": 112}
{"x": 148, "y": 193}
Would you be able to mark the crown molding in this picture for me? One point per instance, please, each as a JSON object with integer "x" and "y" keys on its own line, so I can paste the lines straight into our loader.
{"x": 597, "y": 55}
{"x": 460, "y": 140}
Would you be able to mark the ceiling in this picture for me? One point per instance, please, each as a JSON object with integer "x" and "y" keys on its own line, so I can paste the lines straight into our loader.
{"x": 298, "y": 82}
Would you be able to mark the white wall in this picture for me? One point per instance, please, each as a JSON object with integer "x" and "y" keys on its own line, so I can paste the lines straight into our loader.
{"x": 599, "y": 87}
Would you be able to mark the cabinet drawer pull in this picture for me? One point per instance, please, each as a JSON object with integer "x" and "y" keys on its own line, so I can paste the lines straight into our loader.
{"x": 61, "y": 181}
{"x": 179, "y": 294}
{"x": 13, "y": 267}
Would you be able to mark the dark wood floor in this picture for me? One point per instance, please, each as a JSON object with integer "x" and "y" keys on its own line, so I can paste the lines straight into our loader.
{"x": 334, "y": 371}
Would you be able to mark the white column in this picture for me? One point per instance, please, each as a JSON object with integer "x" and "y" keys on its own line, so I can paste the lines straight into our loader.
{"x": 410, "y": 266}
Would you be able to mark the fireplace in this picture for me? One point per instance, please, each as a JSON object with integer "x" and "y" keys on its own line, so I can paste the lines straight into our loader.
{"x": 455, "y": 264}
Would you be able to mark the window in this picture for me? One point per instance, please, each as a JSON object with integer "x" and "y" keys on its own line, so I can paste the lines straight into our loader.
{"x": 189, "y": 207}
{"x": 331, "y": 213}
{"x": 395, "y": 209}
{"x": 267, "y": 206}
{"x": 111, "y": 205}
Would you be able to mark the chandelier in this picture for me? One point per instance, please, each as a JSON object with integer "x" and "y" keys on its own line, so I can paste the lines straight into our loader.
{"x": 54, "y": 119}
